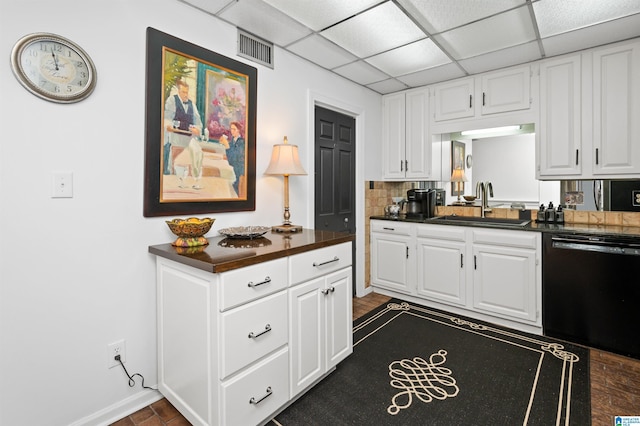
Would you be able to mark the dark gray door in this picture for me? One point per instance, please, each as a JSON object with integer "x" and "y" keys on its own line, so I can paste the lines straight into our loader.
{"x": 335, "y": 170}
{"x": 335, "y": 175}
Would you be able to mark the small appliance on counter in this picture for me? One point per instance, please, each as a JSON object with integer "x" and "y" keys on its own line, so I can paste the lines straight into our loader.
{"x": 421, "y": 203}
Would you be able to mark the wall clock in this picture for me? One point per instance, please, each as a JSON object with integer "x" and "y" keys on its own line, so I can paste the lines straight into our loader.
{"x": 53, "y": 68}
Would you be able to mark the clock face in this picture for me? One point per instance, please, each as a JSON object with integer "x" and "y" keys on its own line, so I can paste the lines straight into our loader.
{"x": 53, "y": 68}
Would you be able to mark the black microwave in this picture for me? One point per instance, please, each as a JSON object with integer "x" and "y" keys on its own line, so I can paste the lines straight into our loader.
{"x": 621, "y": 195}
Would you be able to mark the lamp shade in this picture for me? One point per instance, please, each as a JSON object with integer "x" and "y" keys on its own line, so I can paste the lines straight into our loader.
{"x": 285, "y": 160}
{"x": 458, "y": 176}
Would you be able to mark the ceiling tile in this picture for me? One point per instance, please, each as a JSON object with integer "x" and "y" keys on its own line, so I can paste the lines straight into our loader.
{"x": 596, "y": 35}
{"x": 264, "y": 21}
{"x": 382, "y": 28}
{"x": 361, "y": 72}
{"x": 211, "y": 6}
{"x": 387, "y": 86}
{"x": 318, "y": 15}
{"x": 495, "y": 33}
{"x": 322, "y": 52}
{"x": 556, "y": 17}
{"x": 410, "y": 58}
{"x": 441, "y": 15}
{"x": 432, "y": 75}
{"x": 516, "y": 55}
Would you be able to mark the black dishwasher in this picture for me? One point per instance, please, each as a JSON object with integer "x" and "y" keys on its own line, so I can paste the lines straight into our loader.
{"x": 591, "y": 291}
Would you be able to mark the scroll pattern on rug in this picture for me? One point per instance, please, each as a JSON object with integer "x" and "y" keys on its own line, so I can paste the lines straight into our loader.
{"x": 426, "y": 380}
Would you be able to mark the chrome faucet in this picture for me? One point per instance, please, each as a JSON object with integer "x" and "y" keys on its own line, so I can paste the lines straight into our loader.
{"x": 481, "y": 192}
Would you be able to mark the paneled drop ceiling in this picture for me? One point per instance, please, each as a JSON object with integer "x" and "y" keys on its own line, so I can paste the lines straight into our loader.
{"x": 393, "y": 45}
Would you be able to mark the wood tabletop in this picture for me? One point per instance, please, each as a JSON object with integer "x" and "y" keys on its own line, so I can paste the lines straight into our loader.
{"x": 224, "y": 254}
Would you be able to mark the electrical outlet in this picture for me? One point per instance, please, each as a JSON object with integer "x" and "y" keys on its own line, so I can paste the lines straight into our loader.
{"x": 114, "y": 349}
{"x": 62, "y": 185}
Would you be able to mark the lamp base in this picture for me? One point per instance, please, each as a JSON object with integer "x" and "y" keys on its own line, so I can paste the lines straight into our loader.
{"x": 289, "y": 228}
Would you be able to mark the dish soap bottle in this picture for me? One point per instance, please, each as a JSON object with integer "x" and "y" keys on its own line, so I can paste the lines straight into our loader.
{"x": 550, "y": 213}
{"x": 560, "y": 214}
{"x": 540, "y": 218}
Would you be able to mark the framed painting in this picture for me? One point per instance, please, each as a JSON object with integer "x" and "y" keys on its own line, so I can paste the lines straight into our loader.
{"x": 200, "y": 147}
{"x": 457, "y": 162}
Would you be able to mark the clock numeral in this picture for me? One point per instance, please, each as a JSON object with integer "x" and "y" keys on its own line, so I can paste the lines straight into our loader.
{"x": 69, "y": 89}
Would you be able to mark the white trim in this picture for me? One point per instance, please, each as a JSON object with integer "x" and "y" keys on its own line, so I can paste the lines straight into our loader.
{"x": 318, "y": 99}
{"x": 120, "y": 410}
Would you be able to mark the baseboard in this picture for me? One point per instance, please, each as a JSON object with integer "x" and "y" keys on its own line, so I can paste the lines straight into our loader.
{"x": 120, "y": 409}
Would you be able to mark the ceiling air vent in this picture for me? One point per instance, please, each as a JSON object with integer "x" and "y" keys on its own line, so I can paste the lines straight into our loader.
{"x": 255, "y": 49}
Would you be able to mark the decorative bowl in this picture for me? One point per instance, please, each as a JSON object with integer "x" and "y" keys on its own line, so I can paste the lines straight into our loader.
{"x": 245, "y": 232}
{"x": 469, "y": 198}
{"x": 190, "y": 231}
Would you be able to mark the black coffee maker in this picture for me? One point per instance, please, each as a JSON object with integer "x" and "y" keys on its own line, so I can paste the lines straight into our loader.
{"x": 421, "y": 203}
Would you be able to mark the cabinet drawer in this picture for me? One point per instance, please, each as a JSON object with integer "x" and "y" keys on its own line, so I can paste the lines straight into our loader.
{"x": 256, "y": 394}
{"x": 391, "y": 227}
{"x": 246, "y": 284}
{"x": 252, "y": 331}
{"x": 453, "y": 233}
{"x": 522, "y": 239}
{"x": 315, "y": 263}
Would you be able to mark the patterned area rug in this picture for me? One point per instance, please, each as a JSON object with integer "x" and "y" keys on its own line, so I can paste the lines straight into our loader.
{"x": 414, "y": 365}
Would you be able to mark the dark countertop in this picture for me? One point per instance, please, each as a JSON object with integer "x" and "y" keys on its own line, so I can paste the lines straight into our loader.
{"x": 224, "y": 254}
{"x": 567, "y": 228}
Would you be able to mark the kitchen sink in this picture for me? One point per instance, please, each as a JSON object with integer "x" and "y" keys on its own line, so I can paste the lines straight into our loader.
{"x": 491, "y": 221}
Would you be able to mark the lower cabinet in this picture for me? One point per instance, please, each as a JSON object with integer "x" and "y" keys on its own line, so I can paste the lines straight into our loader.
{"x": 321, "y": 327}
{"x": 491, "y": 274}
{"x": 235, "y": 347}
{"x": 392, "y": 255}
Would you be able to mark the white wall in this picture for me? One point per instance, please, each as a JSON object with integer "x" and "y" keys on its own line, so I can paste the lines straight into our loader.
{"x": 75, "y": 273}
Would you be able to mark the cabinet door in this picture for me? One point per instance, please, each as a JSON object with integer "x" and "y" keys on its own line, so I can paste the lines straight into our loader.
{"x": 560, "y": 108}
{"x": 418, "y": 139}
{"x": 504, "y": 281}
{"x": 441, "y": 270}
{"x": 307, "y": 334}
{"x": 505, "y": 91}
{"x": 339, "y": 317}
{"x": 616, "y": 108}
{"x": 389, "y": 261}
{"x": 454, "y": 100}
{"x": 393, "y": 136}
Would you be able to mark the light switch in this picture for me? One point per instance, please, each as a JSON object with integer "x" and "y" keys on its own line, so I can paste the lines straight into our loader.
{"x": 62, "y": 185}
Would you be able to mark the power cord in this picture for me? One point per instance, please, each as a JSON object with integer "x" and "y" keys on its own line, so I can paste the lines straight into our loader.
{"x": 132, "y": 382}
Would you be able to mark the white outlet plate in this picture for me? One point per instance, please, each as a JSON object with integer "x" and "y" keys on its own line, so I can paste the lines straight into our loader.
{"x": 62, "y": 185}
{"x": 116, "y": 348}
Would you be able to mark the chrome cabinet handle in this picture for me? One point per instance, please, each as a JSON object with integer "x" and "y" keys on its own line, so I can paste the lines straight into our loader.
{"x": 335, "y": 259}
{"x": 252, "y": 335}
{"x": 328, "y": 290}
{"x": 267, "y": 280}
{"x": 259, "y": 400}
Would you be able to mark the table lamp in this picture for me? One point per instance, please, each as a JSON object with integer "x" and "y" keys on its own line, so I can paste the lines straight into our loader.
{"x": 458, "y": 176}
{"x": 285, "y": 162}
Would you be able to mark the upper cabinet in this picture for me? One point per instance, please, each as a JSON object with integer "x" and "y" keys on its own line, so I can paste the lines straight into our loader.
{"x": 616, "y": 110}
{"x": 589, "y": 109}
{"x": 560, "y": 133}
{"x": 406, "y": 141}
{"x": 491, "y": 93}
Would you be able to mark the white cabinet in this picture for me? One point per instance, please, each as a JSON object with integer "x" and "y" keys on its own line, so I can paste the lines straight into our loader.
{"x": 321, "y": 314}
{"x": 442, "y": 264}
{"x": 406, "y": 141}
{"x": 228, "y": 342}
{"x": 490, "y": 93}
{"x": 393, "y": 255}
{"x": 480, "y": 272}
{"x": 506, "y": 273}
{"x": 560, "y": 135}
{"x": 588, "y": 114}
{"x": 616, "y": 108}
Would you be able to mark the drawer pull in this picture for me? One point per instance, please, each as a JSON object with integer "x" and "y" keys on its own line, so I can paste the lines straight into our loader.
{"x": 258, "y": 401}
{"x": 335, "y": 259}
{"x": 252, "y": 335}
{"x": 267, "y": 280}
{"x": 388, "y": 229}
{"x": 328, "y": 290}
